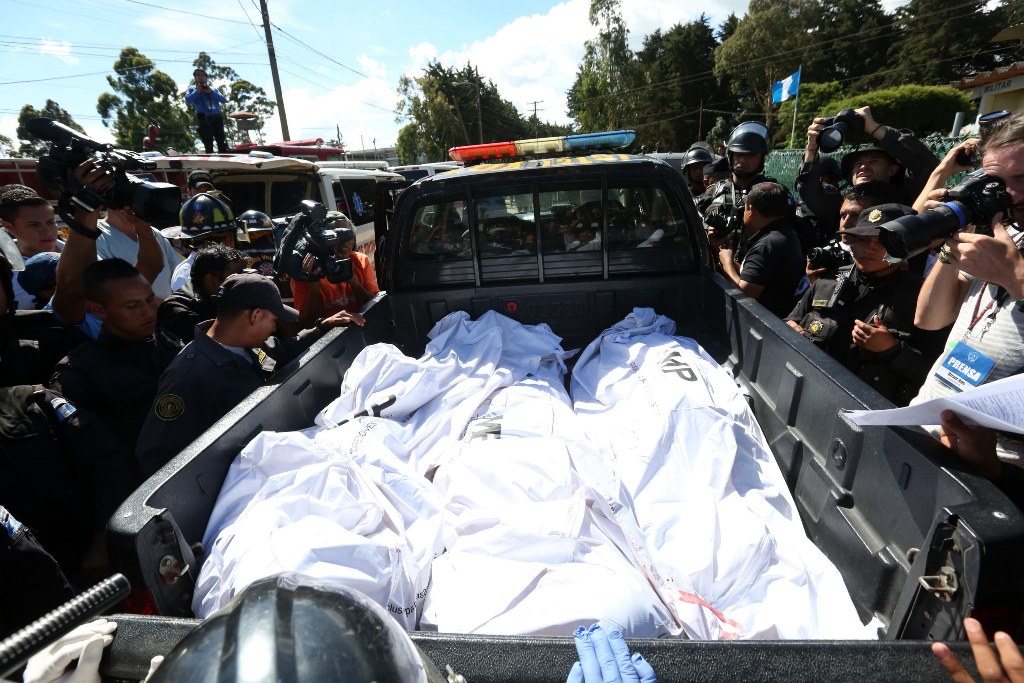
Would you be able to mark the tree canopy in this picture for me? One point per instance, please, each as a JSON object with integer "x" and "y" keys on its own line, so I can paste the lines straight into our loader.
{"x": 31, "y": 146}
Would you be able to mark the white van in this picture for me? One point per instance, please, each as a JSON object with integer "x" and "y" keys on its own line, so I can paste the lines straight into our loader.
{"x": 414, "y": 172}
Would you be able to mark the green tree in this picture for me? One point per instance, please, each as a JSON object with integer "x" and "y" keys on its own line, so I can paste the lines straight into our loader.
{"x": 242, "y": 95}
{"x": 677, "y": 69}
{"x": 603, "y": 95}
{"x": 849, "y": 42}
{"x": 925, "y": 109}
{"x": 30, "y": 145}
{"x": 7, "y": 147}
{"x": 448, "y": 107}
{"x": 939, "y": 42}
{"x": 144, "y": 94}
{"x": 768, "y": 44}
{"x": 408, "y": 144}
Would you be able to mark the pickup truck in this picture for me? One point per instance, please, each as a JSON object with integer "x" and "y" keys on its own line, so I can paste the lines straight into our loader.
{"x": 921, "y": 541}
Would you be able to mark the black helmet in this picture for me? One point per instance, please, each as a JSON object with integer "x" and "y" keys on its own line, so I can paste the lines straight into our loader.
{"x": 254, "y": 221}
{"x": 205, "y": 214}
{"x": 697, "y": 155}
{"x": 294, "y": 628}
{"x": 750, "y": 137}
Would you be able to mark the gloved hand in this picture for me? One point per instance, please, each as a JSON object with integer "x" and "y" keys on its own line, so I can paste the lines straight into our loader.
{"x": 154, "y": 664}
{"x": 84, "y": 643}
{"x": 605, "y": 658}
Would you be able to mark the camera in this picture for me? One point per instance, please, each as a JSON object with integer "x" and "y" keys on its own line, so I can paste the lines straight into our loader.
{"x": 725, "y": 218}
{"x": 976, "y": 200}
{"x": 832, "y": 256}
{"x": 153, "y": 202}
{"x": 308, "y": 233}
{"x": 986, "y": 125}
{"x": 843, "y": 125}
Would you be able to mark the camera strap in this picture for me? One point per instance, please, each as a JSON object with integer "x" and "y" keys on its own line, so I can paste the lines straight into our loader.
{"x": 76, "y": 226}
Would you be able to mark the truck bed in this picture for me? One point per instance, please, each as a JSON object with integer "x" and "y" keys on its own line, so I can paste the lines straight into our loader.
{"x": 886, "y": 505}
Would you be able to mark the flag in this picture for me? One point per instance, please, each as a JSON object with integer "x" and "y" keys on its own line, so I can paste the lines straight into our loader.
{"x": 786, "y": 88}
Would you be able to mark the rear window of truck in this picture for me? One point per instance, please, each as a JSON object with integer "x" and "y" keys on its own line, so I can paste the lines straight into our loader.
{"x": 558, "y": 230}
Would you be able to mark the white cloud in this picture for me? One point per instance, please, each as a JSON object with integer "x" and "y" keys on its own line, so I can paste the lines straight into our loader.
{"x": 61, "y": 50}
{"x": 371, "y": 67}
{"x": 9, "y": 126}
{"x": 420, "y": 54}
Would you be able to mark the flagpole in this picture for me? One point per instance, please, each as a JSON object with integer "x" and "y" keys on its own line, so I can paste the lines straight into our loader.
{"x": 796, "y": 106}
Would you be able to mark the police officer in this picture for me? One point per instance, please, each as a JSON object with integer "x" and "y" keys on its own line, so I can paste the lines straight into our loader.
{"x": 228, "y": 358}
{"x": 63, "y": 473}
{"x": 194, "y": 303}
{"x": 31, "y": 581}
{"x": 864, "y": 317}
{"x": 721, "y": 205}
{"x": 115, "y": 377}
{"x": 697, "y": 157}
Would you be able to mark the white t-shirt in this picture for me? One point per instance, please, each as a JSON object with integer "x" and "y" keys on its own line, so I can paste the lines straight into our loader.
{"x": 113, "y": 243}
{"x": 998, "y": 335}
{"x": 182, "y": 272}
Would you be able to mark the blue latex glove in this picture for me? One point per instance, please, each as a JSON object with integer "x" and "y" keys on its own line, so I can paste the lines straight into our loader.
{"x": 605, "y": 658}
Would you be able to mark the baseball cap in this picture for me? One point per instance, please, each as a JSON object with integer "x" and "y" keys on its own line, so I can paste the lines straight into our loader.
{"x": 251, "y": 290}
{"x": 871, "y": 218}
{"x": 719, "y": 165}
{"x": 195, "y": 178}
{"x": 40, "y": 272}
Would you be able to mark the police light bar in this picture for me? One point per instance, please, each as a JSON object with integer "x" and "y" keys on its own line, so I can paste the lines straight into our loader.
{"x": 583, "y": 142}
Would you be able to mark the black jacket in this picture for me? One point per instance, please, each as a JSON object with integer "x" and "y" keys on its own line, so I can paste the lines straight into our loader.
{"x": 201, "y": 385}
{"x": 827, "y": 312}
{"x": 179, "y": 314}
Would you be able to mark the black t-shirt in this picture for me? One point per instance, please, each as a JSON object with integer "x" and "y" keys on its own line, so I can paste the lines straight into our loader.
{"x": 774, "y": 260}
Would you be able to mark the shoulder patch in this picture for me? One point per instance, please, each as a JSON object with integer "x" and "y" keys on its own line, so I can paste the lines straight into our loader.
{"x": 169, "y": 407}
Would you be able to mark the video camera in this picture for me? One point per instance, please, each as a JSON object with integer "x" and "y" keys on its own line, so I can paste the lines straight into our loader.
{"x": 832, "y": 256}
{"x": 307, "y": 233}
{"x": 153, "y": 202}
{"x": 843, "y": 125}
{"x": 987, "y": 124}
{"x": 974, "y": 201}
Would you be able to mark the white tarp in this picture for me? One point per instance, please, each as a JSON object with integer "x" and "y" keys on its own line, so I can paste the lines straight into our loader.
{"x": 704, "y": 485}
{"x": 655, "y": 506}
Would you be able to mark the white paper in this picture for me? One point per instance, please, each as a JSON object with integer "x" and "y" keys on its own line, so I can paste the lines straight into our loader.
{"x": 999, "y": 405}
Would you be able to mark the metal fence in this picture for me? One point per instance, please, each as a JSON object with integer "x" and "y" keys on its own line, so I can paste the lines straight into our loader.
{"x": 782, "y": 164}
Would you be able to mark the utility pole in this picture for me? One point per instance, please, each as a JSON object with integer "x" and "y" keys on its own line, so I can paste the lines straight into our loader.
{"x": 273, "y": 70}
{"x": 479, "y": 109}
{"x": 536, "y": 125}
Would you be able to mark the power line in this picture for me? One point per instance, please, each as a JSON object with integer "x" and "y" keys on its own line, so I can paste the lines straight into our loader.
{"x": 313, "y": 49}
{"x": 181, "y": 11}
{"x": 242, "y": 7}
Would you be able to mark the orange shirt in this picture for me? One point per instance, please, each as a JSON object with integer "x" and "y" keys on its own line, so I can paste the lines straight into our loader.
{"x": 339, "y": 297}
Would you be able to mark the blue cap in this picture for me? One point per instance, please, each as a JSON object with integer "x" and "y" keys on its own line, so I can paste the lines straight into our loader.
{"x": 40, "y": 272}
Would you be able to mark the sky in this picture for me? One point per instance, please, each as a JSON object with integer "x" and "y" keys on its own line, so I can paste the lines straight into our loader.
{"x": 346, "y": 74}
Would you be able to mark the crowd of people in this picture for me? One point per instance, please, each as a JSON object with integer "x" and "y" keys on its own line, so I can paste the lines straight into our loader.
{"x": 117, "y": 349}
{"x": 818, "y": 261}
{"x": 111, "y": 362}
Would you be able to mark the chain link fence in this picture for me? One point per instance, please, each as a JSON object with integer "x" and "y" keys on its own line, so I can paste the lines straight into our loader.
{"x": 782, "y": 164}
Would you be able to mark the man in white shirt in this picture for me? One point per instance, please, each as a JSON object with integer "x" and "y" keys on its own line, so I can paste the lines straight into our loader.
{"x": 118, "y": 239}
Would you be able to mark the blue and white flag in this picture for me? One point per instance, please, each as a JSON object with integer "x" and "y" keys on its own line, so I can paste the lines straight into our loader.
{"x": 786, "y": 88}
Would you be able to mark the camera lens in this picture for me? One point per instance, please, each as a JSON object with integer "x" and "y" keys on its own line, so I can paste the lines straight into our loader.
{"x": 910, "y": 235}
{"x": 831, "y": 139}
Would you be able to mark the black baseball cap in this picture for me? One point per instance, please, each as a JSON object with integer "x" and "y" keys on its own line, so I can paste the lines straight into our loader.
{"x": 251, "y": 290}
{"x": 196, "y": 178}
{"x": 871, "y": 218}
{"x": 719, "y": 165}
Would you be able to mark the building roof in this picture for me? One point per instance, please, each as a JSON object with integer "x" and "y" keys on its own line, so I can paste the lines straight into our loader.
{"x": 986, "y": 77}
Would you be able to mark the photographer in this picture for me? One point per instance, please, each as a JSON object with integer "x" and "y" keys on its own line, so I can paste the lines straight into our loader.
{"x": 894, "y": 156}
{"x": 773, "y": 265}
{"x": 977, "y": 285}
{"x": 206, "y": 100}
{"x": 863, "y": 316}
{"x": 317, "y": 300}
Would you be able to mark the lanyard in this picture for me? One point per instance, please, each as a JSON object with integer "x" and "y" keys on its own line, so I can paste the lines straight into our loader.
{"x": 999, "y": 298}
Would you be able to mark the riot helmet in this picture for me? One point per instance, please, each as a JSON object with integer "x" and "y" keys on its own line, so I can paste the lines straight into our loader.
{"x": 750, "y": 137}
{"x": 294, "y": 628}
{"x": 697, "y": 155}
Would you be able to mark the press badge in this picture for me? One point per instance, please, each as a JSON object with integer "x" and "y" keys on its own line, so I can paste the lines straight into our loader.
{"x": 965, "y": 368}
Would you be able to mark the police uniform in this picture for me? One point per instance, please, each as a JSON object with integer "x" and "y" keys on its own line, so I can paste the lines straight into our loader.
{"x": 828, "y": 309}
{"x": 179, "y": 314}
{"x": 208, "y": 379}
{"x": 116, "y": 380}
{"x": 31, "y": 581}
{"x": 62, "y": 472}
